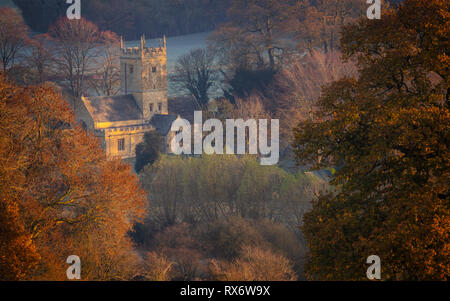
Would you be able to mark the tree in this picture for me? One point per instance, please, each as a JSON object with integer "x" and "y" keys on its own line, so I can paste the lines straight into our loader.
{"x": 244, "y": 82}
{"x": 38, "y": 13}
{"x": 318, "y": 23}
{"x": 388, "y": 131}
{"x": 254, "y": 264}
{"x": 106, "y": 79}
{"x": 259, "y": 24}
{"x": 177, "y": 242}
{"x": 40, "y": 59}
{"x": 132, "y": 18}
{"x": 296, "y": 88}
{"x": 224, "y": 186}
{"x": 251, "y": 46}
{"x": 225, "y": 238}
{"x": 76, "y": 45}
{"x": 18, "y": 254}
{"x": 71, "y": 199}
{"x": 194, "y": 73}
{"x": 157, "y": 267}
{"x": 149, "y": 150}
{"x": 13, "y": 37}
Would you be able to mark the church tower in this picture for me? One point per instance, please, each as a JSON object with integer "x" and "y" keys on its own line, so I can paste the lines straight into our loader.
{"x": 143, "y": 73}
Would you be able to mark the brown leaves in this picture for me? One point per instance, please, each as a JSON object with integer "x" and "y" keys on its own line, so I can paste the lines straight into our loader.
{"x": 18, "y": 254}
{"x": 254, "y": 264}
{"x": 71, "y": 198}
{"x": 388, "y": 133}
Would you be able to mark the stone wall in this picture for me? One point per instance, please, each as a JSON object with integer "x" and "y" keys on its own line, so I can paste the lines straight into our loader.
{"x": 132, "y": 137}
{"x": 143, "y": 73}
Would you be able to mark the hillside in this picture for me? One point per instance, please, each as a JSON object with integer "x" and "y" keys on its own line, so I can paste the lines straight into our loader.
{"x": 132, "y": 18}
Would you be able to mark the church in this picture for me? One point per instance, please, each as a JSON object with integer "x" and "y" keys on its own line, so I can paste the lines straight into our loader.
{"x": 121, "y": 121}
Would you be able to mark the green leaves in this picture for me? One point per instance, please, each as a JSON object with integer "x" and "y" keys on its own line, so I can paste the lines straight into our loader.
{"x": 206, "y": 189}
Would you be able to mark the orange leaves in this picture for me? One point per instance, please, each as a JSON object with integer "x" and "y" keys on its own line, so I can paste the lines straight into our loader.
{"x": 390, "y": 136}
{"x": 69, "y": 195}
{"x": 254, "y": 264}
{"x": 18, "y": 254}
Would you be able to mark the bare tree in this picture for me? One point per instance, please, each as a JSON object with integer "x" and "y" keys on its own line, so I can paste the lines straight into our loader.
{"x": 40, "y": 58}
{"x": 252, "y": 107}
{"x": 106, "y": 79}
{"x": 194, "y": 73}
{"x": 254, "y": 32}
{"x": 77, "y": 47}
{"x": 298, "y": 85}
{"x": 13, "y": 37}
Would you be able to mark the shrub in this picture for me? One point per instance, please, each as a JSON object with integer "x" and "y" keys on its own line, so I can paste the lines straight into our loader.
{"x": 157, "y": 267}
{"x": 254, "y": 264}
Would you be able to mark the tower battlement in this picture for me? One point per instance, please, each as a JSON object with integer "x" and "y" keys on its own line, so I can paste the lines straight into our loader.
{"x": 143, "y": 73}
{"x": 144, "y": 51}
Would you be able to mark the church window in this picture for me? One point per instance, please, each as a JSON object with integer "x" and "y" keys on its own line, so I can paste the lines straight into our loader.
{"x": 121, "y": 145}
{"x": 154, "y": 69}
{"x": 131, "y": 69}
{"x": 151, "y": 107}
{"x": 160, "y": 107}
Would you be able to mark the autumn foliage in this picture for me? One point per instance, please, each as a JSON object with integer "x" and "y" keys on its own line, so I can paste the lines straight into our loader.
{"x": 254, "y": 264}
{"x": 388, "y": 132}
{"x": 59, "y": 195}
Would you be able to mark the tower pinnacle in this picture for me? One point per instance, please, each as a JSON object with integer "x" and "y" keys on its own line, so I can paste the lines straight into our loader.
{"x": 143, "y": 42}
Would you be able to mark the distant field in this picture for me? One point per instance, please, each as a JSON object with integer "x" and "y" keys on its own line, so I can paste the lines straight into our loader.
{"x": 176, "y": 47}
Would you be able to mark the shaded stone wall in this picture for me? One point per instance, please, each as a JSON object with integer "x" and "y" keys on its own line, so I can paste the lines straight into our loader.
{"x": 132, "y": 136}
{"x": 82, "y": 116}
